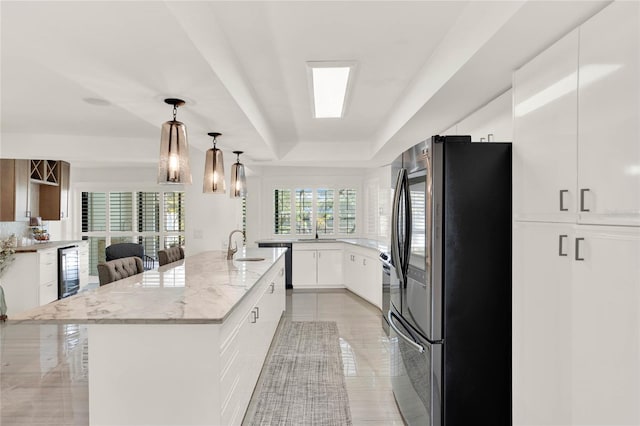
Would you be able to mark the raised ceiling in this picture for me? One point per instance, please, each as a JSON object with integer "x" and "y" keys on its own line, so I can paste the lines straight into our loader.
{"x": 241, "y": 67}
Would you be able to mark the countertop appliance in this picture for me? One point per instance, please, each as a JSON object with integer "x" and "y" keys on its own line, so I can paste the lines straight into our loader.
{"x": 68, "y": 271}
{"x": 451, "y": 249}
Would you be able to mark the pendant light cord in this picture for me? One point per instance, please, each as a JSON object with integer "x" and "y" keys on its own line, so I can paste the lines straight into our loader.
{"x": 175, "y": 111}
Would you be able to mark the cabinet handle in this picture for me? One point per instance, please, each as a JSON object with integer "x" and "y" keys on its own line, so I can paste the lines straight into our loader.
{"x": 582, "y": 191}
{"x": 562, "y": 207}
{"x": 560, "y": 239}
{"x": 314, "y": 254}
{"x": 255, "y": 317}
{"x": 273, "y": 287}
{"x": 364, "y": 262}
{"x": 318, "y": 255}
{"x": 578, "y": 249}
{"x": 281, "y": 273}
{"x": 257, "y": 312}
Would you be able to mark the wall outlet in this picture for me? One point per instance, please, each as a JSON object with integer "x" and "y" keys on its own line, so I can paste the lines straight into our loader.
{"x": 225, "y": 244}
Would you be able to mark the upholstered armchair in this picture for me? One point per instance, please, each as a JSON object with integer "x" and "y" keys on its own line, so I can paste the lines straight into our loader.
{"x": 120, "y": 250}
{"x": 171, "y": 254}
{"x": 114, "y": 270}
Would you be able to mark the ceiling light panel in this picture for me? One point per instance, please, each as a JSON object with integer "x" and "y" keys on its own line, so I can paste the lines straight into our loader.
{"x": 330, "y": 83}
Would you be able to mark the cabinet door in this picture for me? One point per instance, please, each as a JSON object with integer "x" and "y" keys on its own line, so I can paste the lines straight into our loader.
{"x": 329, "y": 267}
{"x": 22, "y": 184}
{"x": 64, "y": 181}
{"x": 609, "y": 122}
{"x": 542, "y": 323}
{"x": 545, "y": 134}
{"x": 372, "y": 288}
{"x": 606, "y": 326}
{"x": 350, "y": 267}
{"x": 304, "y": 268}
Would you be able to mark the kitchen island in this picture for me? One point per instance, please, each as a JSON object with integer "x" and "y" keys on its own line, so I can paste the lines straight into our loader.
{"x": 182, "y": 344}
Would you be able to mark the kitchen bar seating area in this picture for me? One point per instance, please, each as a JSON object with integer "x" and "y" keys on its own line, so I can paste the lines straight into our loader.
{"x": 320, "y": 213}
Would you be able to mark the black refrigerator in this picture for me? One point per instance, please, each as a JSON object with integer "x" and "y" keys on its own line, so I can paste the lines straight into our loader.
{"x": 450, "y": 334}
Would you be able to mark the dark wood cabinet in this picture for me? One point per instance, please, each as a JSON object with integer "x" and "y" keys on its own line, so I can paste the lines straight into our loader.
{"x": 54, "y": 199}
{"x": 14, "y": 190}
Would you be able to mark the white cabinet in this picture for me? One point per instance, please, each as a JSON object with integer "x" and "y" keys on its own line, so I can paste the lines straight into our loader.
{"x": 542, "y": 323}
{"x": 609, "y": 108}
{"x": 576, "y": 286}
{"x": 576, "y": 324}
{"x": 317, "y": 265}
{"x": 576, "y": 131}
{"x": 606, "y": 326}
{"x": 48, "y": 277}
{"x": 363, "y": 274}
{"x": 83, "y": 255}
{"x": 31, "y": 281}
{"x": 545, "y": 134}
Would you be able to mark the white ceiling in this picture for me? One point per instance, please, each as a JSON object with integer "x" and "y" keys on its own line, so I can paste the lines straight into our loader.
{"x": 241, "y": 67}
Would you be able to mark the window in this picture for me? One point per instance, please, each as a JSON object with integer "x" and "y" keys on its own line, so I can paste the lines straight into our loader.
{"x": 282, "y": 211}
{"x": 147, "y": 218}
{"x": 324, "y": 205}
{"x": 304, "y": 211}
{"x": 347, "y": 208}
{"x": 334, "y": 211}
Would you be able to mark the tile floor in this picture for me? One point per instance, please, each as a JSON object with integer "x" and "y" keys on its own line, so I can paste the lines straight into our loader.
{"x": 43, "y": 369}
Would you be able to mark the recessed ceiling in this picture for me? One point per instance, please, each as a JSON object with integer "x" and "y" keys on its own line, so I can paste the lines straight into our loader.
{"x": 90, "y": 77}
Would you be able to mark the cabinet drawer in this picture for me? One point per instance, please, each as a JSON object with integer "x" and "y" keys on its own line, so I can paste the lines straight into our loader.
{"x": 48, "y": 292}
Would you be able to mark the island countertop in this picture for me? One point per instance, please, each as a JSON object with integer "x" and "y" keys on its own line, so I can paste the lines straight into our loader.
{"x": 200, "y": 289}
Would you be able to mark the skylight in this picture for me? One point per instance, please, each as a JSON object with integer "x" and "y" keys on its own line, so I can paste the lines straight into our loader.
{"x": 330, "y": 82}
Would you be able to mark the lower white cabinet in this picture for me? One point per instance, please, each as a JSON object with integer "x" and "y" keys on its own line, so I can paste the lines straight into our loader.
{"x": 31, "y": 281}
{"x": 243, "y": 352}
{"x": 186, "y": 374}
{"x": 317, "y": 267}
{"x": 363, "y": 274}
{"x": 83, "y": 249}
{"x": 576, "y": 326}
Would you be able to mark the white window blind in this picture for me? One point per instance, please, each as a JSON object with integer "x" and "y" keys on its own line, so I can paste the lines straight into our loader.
{"x": 174, "y": 211}
{"x": 324, "y": 207}
{"x": 347, "y": 209}
{"x": 120, "y": 211}
{"x": 148, "y": 211}
{"x": 282, "y": 211}
{"x": 94, "y": 211}
{"x": 304, "y": 211}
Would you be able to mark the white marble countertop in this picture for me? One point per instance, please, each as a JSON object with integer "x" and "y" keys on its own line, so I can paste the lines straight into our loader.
{"x": 32, "y": 248}
{"x": 361, "y": 242}
{"x": 200, "y": 289}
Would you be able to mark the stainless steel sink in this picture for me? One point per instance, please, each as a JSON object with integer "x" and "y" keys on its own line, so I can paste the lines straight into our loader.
{"x": 316, "y": 240}
{"x": 249, "y": 259}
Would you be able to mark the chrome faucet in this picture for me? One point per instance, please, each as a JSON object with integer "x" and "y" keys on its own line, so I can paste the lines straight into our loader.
{"x": 232, "y": 251}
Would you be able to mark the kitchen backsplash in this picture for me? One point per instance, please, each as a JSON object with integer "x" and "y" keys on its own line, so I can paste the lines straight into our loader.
{"x": 20, "y": 229}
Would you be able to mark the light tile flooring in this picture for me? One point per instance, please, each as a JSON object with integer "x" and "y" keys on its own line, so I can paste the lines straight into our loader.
{"x": 43, "y": 369}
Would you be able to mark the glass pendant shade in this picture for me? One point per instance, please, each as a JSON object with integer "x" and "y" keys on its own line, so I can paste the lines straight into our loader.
{"x": 213, "y": 171}
{"x": 174, "y": 151}
{"x": 238, "y": 178}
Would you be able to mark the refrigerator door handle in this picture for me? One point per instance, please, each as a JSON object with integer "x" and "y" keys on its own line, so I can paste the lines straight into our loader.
{"x": 395, "y": 212}
{"x": 411, "y": 341}
{"x": 407, "y": 225}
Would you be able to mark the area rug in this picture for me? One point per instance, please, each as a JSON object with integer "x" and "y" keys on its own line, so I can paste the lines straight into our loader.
{"x": 302, "y": 380}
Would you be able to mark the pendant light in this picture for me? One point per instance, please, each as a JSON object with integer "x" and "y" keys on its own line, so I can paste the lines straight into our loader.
{"x": 213, "y": 169}
{"x": 174, "y": 149}
{"x": 238, "y": 178}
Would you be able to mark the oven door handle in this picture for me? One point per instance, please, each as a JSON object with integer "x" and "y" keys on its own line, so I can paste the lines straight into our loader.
{"x": 411, "y": 341}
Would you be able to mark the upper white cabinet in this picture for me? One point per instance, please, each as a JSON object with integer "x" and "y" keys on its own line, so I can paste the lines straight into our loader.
{"x": 576, "y": 132}
{"x": 545, "y": 134}
{"x": 609, "y": 114}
